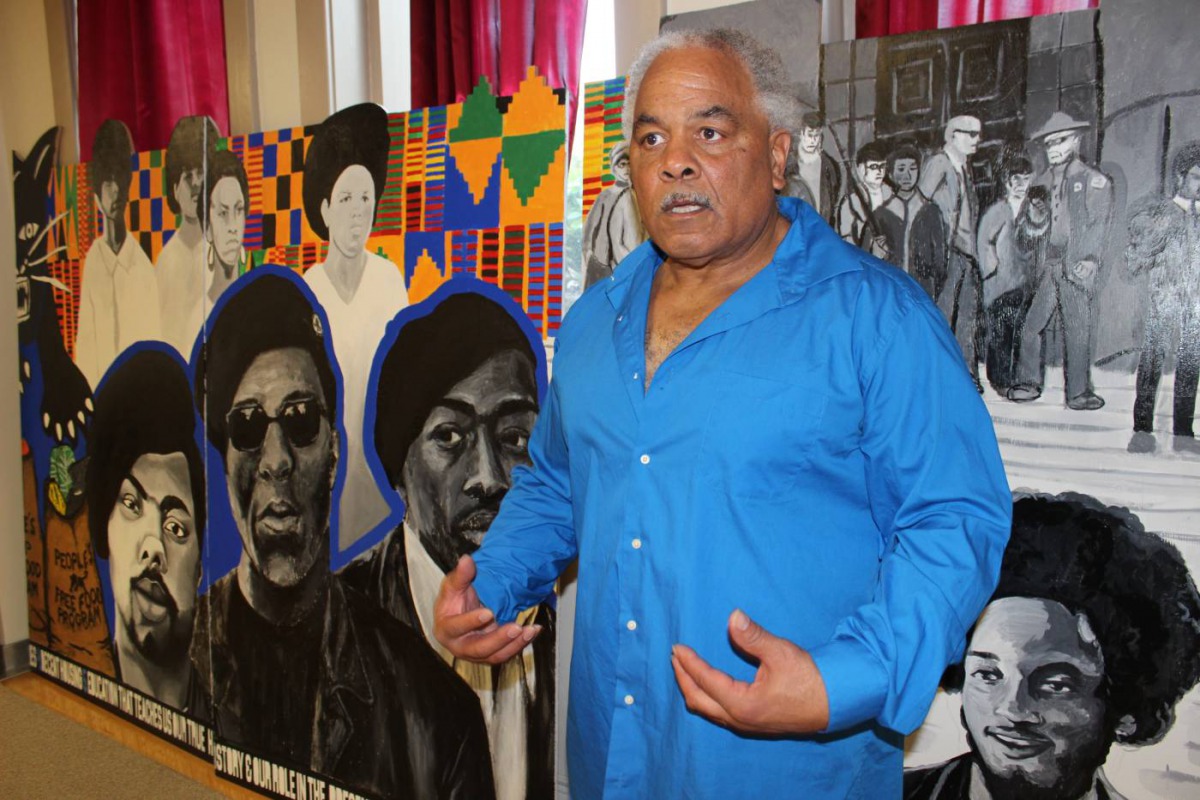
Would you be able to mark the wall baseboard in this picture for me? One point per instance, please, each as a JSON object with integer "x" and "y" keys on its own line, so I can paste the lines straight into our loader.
{"x": 14, "y": 659}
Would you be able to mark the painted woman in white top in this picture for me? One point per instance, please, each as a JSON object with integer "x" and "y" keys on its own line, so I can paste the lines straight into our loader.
{"x": 344, "y": 177}
{"x": 180, "y": 266}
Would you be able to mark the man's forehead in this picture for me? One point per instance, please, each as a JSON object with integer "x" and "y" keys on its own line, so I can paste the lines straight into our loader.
{"x": 507, "y": 375}
{"x": 162, "y": 474}
{"x": 694, "y": 78}
{"x": 277, "y": 374}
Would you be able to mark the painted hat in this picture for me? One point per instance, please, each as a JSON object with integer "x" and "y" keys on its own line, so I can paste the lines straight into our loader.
{"x": 1059, "y": 122}
{"x": 428, "y": 357}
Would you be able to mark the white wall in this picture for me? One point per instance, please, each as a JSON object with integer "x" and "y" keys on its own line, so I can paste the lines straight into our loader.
{"x": 27, "y": 109}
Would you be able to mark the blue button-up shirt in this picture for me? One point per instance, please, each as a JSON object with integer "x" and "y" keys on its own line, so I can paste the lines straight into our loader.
{"x": 814, "y": 453}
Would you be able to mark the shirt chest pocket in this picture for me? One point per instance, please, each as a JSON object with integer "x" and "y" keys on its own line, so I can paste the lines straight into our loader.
{"x": 759, "y": 436}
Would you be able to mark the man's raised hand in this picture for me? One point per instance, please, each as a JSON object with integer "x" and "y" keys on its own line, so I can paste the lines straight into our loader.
{"x": 467, "y": 628}
{"x": 787, "y": 695}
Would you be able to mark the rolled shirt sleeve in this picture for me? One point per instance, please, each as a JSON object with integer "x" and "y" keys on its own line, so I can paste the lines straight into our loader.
{"x": 935, "y": 480}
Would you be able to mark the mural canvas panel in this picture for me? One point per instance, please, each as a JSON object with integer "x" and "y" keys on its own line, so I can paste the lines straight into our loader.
{"x": 233, "y": 534}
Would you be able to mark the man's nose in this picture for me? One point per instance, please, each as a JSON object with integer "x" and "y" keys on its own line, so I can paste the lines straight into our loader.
{"x": 486, "y": 476}
{"x": 678, "y": 160}
{"x": 276, "y": 460}
{"x": 151, "y": 551}
{"x": 1016, "y": 704}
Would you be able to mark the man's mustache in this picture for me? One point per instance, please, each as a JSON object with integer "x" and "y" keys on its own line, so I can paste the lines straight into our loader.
{"x": 478, "y": 517}
{"x": 684, "y": 199}
{"x": 150, "y": 582}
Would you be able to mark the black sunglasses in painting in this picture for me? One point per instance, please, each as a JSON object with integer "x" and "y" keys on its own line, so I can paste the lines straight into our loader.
{"x": 299, "y": 419}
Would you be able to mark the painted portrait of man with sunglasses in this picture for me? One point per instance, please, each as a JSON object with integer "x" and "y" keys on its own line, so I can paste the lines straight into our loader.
{"x": 305, "y": 670}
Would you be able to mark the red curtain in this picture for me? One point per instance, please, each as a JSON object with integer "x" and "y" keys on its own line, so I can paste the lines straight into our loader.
{"x": 890, "y": 17}
{"x": 454, "y": 42}
{"x": 147, "y": 63}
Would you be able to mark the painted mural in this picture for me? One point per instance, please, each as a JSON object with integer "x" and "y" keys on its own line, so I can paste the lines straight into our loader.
{"x": 273, "y": 385}
{"x": 1040, "y": 178}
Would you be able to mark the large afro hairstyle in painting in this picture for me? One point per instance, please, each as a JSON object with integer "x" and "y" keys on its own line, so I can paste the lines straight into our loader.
{"x": 267, "y": 312}
{"x": 1134, "y": 590}
{"x": 354, "y": 135}
{"x": 429, "y": 356}
{"x": 144, "y": 405}
{"x": 112, "y": 156}
{"x": 192, "y": 144}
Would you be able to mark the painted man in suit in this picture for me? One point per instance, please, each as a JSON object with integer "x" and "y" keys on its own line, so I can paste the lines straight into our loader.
{"x": 1081, "y": 203}
{"x": 946, "y": 182}
{"x": 812, "y": 174}
{"x": 456, "y": 400}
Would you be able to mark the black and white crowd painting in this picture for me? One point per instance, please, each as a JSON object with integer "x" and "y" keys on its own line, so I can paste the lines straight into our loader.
{"x": 1040, "y": 179}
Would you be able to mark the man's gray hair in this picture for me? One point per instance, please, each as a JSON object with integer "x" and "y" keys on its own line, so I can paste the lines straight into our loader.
{"x": 763, "y": 64}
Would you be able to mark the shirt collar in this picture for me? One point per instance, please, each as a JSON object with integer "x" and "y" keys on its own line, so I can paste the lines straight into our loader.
{"x": 810, "y": 252}
{"x": 424, "y": 580}
{"x": 122, "y": 258}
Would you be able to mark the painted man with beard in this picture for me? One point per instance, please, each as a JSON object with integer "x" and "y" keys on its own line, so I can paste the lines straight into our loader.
{"x": 456, "y": 401}
{"x": 145, "y": 488}
{"x": 1090, "y": 639}
{"x": 306, "y": 670}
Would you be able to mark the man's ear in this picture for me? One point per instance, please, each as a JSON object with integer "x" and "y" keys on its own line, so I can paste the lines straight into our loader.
{"x": 780, "y": 146}
{"x": 325, "y": 213}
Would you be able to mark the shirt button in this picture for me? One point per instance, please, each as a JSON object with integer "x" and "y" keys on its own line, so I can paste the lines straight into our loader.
{"x": 645, "y": 459}
{"x": 635, "y": 376}
{"x": 637, "y": 544}
{"x": 628, "y": 699}
{"x": 631, "y": 625}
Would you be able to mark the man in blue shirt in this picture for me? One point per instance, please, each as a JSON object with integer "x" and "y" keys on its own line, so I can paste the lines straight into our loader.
{"x": 751, "y": 416}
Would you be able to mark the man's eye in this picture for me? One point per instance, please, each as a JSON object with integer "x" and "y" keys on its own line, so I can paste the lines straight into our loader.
{"x": 651, "y": 139}
{"x": 131, "y": 502}
{"x": 987, "y": 675}
{"x": 515, "y": 439}
{"x": 446, "y": 436}
{"x": 710, "y": 134}
{"x": 1058, "y": 686}
{"x": 176, "y": 530}
{"x": 299, "y": 408}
